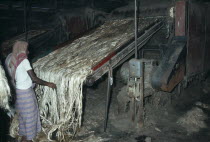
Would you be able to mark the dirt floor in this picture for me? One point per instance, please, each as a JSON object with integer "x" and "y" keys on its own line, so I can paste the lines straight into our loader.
{"x": 169, "y": 117}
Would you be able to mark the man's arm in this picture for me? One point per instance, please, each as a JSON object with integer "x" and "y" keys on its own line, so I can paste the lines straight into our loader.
{"x": 39, "y": 81}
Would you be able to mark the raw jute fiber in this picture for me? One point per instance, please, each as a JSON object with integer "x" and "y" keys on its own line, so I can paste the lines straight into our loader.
{"x": 68, "y": 67}
{"x": 4, "y": 90}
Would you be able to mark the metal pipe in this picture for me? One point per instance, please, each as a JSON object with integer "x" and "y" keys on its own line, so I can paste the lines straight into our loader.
{"x": 135, "y": 19}
{"x": 141, "y": 106}
{"x": 109, "y": 85}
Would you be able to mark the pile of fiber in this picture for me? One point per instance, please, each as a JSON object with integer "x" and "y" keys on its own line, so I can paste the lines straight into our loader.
{"x": 68, "y": 68}
{"x": 4, "y": 90}
{"x": 193, "y": 120}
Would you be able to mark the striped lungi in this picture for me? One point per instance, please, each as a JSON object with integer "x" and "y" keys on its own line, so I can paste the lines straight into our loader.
{"x": 28, "y": 113}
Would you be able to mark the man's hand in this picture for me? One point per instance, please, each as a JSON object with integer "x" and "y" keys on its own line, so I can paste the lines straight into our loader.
{"x": 39, "y": 81}
{"x": 51, "y": 85}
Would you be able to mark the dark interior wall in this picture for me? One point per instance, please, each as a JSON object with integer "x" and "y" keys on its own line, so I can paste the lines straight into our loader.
{"x": 69, "y": 18}
{"x": 12, "y": 22}
{"x": 43, "y": 13}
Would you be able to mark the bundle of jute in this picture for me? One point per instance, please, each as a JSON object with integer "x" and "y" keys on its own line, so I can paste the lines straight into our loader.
{"x": 68, "y": 67}
{"x": 4, "y": 90}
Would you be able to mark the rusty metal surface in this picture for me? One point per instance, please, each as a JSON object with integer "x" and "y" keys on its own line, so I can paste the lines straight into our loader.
{"x": 196, "y": 39}
{"x": 180, "y": 18}
{"x": 175, "y": 79}
{"x": 171, "y": 69}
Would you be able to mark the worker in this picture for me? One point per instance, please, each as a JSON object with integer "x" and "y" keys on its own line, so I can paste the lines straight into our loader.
{"x": 23, "y": 77}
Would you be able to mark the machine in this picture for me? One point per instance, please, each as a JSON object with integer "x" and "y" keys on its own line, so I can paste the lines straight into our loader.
{"x": 185, "y": 59}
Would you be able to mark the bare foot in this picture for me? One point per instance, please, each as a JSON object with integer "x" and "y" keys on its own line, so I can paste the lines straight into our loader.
{"x": 24, "y": 139}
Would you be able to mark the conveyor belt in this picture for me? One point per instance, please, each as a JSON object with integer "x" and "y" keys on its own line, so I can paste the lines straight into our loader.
{"x": 68, "y": 67}
{"x": 117, "y": 57}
